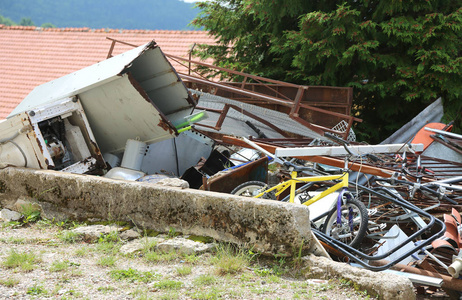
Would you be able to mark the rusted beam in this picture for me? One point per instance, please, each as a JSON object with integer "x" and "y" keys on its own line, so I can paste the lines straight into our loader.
{"x": 448, "y": 281}
{"x": 298, "y": 99}
{"x": 229, "y": 88}
{"x": 233, "y": 71}
{"x": 225, "y": 110}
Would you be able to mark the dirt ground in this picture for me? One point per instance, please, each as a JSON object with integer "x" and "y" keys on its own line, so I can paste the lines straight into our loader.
{"x": 43, "y": 261}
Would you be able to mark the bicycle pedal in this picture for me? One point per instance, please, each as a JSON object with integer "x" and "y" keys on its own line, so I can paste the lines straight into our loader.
{"x": 372, "y": 212}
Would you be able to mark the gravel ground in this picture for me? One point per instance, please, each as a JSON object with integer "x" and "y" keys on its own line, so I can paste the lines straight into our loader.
{"x": 79, "y": 270}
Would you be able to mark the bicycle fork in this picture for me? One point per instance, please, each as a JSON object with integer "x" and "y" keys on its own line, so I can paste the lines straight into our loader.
{"x": 340, "y": 202}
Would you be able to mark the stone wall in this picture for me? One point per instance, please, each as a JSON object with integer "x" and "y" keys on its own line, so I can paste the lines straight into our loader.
{"x": 266, "y": 226}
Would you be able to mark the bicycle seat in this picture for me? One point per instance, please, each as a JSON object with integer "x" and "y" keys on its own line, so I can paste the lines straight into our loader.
{"x": 296, "y": 168}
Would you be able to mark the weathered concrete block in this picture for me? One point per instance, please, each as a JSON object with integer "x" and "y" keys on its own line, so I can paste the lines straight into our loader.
{"x": 9, "y": 215}
{"x": 93, "y": 232}
{"x": 129, "y": 235}
{"x": 139, "y": 244}
{"x": 381, "y": 285}
{"x": 184, "y": 246}
{"x": 267, "y": 226}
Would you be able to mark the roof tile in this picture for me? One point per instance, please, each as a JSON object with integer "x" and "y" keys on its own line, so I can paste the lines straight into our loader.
{"x": 30, "y": 56}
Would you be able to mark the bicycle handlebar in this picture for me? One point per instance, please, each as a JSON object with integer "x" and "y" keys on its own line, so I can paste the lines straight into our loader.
{"x": 339, "y": 141}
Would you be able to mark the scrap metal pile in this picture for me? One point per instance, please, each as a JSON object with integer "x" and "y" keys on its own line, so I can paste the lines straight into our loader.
{"x": 133, "y": 117}
{"x": 413, "y": 204}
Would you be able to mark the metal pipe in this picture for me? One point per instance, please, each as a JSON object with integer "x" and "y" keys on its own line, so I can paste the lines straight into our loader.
{"x": 448, "y": 281}
{"x": 454, "y": 135}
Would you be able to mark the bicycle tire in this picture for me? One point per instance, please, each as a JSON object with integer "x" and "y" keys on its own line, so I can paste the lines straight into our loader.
{"x": 252, "y": 188}
{"x": 343, "y": 233}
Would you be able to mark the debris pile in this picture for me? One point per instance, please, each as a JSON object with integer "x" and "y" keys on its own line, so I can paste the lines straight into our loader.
{"x": 132, "y": 117}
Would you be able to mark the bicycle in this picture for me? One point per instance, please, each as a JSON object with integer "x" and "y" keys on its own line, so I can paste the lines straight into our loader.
{"x": 362, "y": 194}
{"x": 345, "y": 220}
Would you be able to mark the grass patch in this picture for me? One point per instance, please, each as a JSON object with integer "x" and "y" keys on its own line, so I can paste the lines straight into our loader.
{"x": 59, "y": 266}
{"x": 106, "y": 289}
{"x": 37, "y": 290}
{"x": 111, "y": 237}
{"x": 158, "y": 257}
{"x": 191, "y": 258}
{"x": 70, "y": 237}
{"x": 13, "y": 240}
{"x": 10, "y": 282}
{"x": 149, "y": 245}
{"x": 168, "y": 284}
{"x": 133, "y": 275}
{"x": 141, "y": 294}
{"x": 25, "y": 261}
{"x": 229, "y": 260}
{"x": 108, "y": 247}
{"x": 82, "y": 252}
{"x": 169, "y": 295}
{"x": 184, "y": 270}
{"x": 209, "y": 293}
{"x": 206, "y": 279}
{"x": 106, "y": 261}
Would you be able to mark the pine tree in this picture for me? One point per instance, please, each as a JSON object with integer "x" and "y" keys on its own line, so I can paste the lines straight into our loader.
{"x": 398, "y": 55}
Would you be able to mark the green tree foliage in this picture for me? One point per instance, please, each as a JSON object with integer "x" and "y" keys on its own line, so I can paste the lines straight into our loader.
{"x": 117, "y": 14}
{"x": 398, "y": 55}
{"x": 47, "y": 25}
{"x": 26, "y": 22}
{"x": 6, "y": 21}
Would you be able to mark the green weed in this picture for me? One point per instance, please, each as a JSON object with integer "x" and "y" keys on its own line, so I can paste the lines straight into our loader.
{"x": 209, "y": 293}
{"x": 106, "y": 289}
{"x": 157, "y": 257}
{"x": 133, "y": 275}
{"x": 10, "y": 282}
{"x": 168, "y": 284}
{"x": 106, "y": 261}
{"x": 229, "y": 260}
{"x": 169, "y": 295}
{"x": 184, "y": 270}
{"x": 108, "y": 247}
{"x": 172, "y": 233}
{"x": 58, "y": 266}
{"x": 70, "y": 237}
{"x": 112, "y": 237}
{"x": 36, "y": 290}
{"x": 82, "y": 252}
{"x": 31, "y": 213}
{"x": 25, "y": 261}
{"x": 206, "y": 279}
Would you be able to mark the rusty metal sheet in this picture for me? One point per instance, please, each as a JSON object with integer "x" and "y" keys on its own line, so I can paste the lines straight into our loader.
{"x": 226, "y": 181}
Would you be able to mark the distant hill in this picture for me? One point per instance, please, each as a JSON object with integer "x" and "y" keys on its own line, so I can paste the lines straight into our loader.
{"x": 116, "y": 14}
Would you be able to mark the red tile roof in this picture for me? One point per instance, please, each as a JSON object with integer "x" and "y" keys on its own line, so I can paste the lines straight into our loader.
{"x": 30, "y": 56}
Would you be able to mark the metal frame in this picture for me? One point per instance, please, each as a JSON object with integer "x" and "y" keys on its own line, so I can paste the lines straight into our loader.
{"x": 295, "y": 106}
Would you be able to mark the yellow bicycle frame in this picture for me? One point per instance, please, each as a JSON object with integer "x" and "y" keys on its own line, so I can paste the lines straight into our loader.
{"x": 281, "y": 187}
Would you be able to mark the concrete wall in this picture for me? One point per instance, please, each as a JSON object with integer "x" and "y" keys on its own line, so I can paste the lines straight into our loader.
{"x": 267, "y": 226}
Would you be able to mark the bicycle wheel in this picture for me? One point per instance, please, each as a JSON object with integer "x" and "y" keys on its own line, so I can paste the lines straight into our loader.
{"x": 353, "y": 225}
{"x": 252, "y": 188}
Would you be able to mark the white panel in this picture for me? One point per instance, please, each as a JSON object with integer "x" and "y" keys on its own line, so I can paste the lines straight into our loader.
{"x": 117, "y": 112}
{"x": 339, "y": 150}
